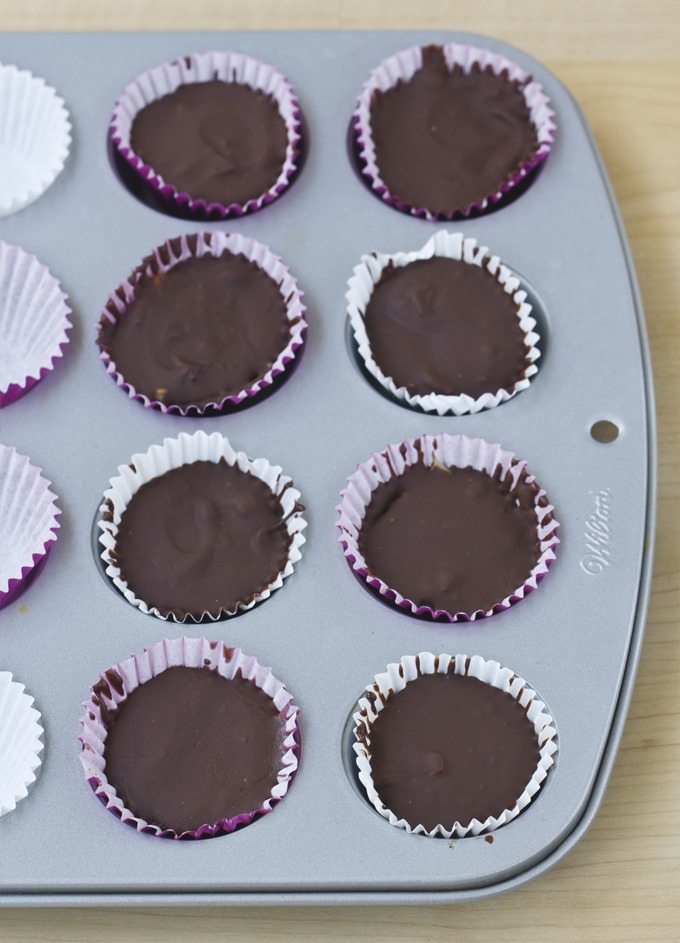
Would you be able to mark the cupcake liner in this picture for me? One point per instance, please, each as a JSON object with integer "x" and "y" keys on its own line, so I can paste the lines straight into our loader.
{"x": 35, "y": 136}
{"x": 28, "y": 522}
{"x": 401, "y": 67}
{"x": 174, "y": 252}
{"x": 20, "y": 742}
{"x": 204, "y": 67}
{"x": 452, "y": 246}
{"x": 117, "y": 683}
{"x": 185, "y": 450}
{"x": 448, "y": 451}
{"x": 34, "y": 322}
{"x": 395, "y": 679}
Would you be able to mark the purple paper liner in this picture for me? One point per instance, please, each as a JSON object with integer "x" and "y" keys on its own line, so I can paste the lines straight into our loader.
{"x": 400, "y": 67}
{"x": 21, "y": 743}
{"x": 16, "y": 390}
{"x": 17, "y": 587}
{"x": 172, "y": 253}
{"x": 204, "y": 67}
{"x": 118, "y": 682}
{"x": 34, "y": 314}
{"x": 449, "y": 451}
{"x": 28, "y": 523}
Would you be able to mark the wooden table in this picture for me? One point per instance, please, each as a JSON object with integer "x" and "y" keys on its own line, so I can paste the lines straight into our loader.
{"x": 621, "y": 59}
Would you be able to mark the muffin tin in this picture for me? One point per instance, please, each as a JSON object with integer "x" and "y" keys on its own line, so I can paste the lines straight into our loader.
{"x": 576, "y": 640}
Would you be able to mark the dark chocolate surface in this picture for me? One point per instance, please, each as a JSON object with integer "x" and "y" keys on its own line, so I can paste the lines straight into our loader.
{"x": 201, "y": 538}
{"x": 218, "y": 141}
{"x": 450, "y": 748}
{"x": 452, "y": 539}
{"x": 444, "y": 326}
{"x": 208, "y": 328}
{"x": 447, "y": 139}
{"x": 189, "y": 748}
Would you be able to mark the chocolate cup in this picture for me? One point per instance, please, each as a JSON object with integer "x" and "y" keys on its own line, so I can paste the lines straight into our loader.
{"x": 199, "y": 67}
{"x": 395, "y": 679}
{"x": 449, "y": 245}
{"x": 171, "y": 254}
{"x": 174, "y": 453}
{"x": 448, "y": 451}
{"x": 118, "y": 682}
{"x": 400, "y": 67}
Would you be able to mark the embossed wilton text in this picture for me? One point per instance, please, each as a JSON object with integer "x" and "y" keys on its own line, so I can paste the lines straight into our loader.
{"x": 597, "y": 556}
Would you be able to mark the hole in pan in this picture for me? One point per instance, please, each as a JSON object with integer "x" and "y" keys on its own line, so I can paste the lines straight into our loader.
{"x": 605, "y": 431}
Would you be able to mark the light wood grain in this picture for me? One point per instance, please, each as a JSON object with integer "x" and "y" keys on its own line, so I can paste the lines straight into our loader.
{"x": 622, "y": 61}
{"x": 576, "y": 29}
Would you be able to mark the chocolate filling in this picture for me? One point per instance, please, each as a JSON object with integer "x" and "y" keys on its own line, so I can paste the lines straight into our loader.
{"x": 449, "y": 748}
{"x": 448, "y": 138}
{"x": 218, "y": 141}
{"x": 201, "y": 538}
{"x": 208, "y": 328}
{"x": 189, "y": 748}
{"x": 444, "y": 326}
{"x": 453, "y": 539}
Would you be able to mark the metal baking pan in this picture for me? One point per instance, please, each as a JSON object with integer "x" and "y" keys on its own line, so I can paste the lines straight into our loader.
{"x": 576, "y": 640}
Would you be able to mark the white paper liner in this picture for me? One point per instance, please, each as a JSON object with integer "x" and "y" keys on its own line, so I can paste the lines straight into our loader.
{"x": 34, "y": 322}
{"x": 174, "y": 252}
{"x": 395, "y": 679}
{"x": 448, "y": 451}
{"x": 28, "y": 520}
{"x": 117, "y": 683}
{"x": 448, "y": 245}
{"x": 205, "y": 67}
{"x": 184, "y": 450}
{"x": 20, "y": 742}
{"x": 401, "y": 67}
{"x": 35, "y": 136}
